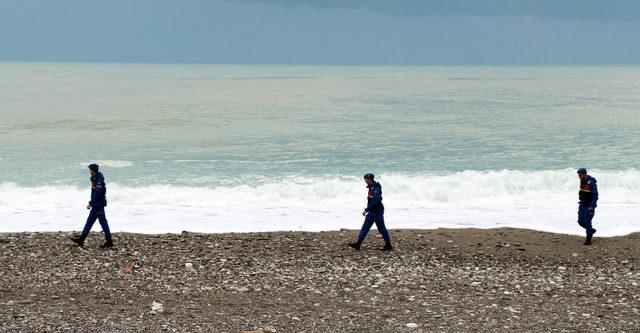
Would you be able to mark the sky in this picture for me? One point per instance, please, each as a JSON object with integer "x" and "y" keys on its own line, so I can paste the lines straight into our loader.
{"x": 387, "y": 32}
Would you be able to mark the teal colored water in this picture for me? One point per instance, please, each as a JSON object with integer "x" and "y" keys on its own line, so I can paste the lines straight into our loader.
{"x": 206, "y": 125}
{"x": 257, "y": 148}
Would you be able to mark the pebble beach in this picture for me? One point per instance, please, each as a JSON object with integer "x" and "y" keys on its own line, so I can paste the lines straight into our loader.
{"x": 442, "y": 280}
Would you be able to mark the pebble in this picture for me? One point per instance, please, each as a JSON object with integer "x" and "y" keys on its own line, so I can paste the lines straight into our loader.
{"x": 310, "y": 282}
{"x": 156, "y": 307}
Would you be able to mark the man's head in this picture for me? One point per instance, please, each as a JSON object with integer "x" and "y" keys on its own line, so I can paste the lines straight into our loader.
{"x": 93, "y": 169}
{"x": 368, "y": 178}
{"x": 582, "y": 173}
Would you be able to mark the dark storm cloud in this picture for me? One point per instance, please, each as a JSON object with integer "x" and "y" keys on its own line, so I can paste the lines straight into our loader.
{"x": 596, "y": 10}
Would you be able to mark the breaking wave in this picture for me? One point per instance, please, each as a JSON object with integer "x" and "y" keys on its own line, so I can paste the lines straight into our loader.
{"x": 543, "y": 200}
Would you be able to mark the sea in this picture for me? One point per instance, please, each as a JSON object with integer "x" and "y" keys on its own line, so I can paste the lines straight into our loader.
{"x": 247, "y": 148}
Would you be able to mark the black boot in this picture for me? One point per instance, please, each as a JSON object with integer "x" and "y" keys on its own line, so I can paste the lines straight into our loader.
{"x": 79, "y": 240}
{"x": 588, "y": 240}
{"x": 107, "y": 244}
{"x": 387, "y": 247}
{"x": 355, "y": 245}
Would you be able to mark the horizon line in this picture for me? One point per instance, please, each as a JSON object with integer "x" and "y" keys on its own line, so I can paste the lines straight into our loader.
{"x": 559, "y": 64}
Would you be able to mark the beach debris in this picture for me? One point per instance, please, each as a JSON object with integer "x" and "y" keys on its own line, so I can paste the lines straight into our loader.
{"x": 156, "y": 307}
{"x": 337, "y": 288}
{"x": 127, "y": 271}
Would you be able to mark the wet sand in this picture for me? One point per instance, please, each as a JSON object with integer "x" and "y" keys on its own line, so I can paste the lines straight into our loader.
{"x": 443, "y": 280}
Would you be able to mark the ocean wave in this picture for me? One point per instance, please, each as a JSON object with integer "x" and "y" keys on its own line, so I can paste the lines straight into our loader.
{"x": 110, "y": 163}
{"x": 543, "y": 200}
{"x": 82, "y": 124}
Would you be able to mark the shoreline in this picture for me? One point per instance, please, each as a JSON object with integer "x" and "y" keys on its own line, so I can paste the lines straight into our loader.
{"x": 438, "y": 279}
{"x": 96, "y": 230}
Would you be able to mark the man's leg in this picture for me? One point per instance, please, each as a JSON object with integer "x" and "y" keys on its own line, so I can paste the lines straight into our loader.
{"x": 384, "y": 232}
{"x": 587, "y": 217}
{"x": 102, "y": 218}
{"x": 366, "y": 226}
{"x": 581, "y": 212}
{"x": 382, "y": 228}
{"x": 91, "y": 219}
{"x": 368, "y": 222}
{"x": 585, "y": 220}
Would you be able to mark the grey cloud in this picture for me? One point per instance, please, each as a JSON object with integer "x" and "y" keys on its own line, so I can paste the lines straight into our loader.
{"x": 253, "y": 31}
{"x": 594, "y": 10}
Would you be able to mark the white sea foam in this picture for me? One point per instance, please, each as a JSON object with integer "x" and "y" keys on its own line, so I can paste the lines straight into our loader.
{"x": 543, "y": 200}
{"x": 110, "y": 163}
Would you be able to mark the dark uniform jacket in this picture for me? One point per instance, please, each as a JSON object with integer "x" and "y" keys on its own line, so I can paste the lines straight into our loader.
{"x": 588, "y": 193}
{"x": 374, "y": 199}
{"x": 98, "y": 191}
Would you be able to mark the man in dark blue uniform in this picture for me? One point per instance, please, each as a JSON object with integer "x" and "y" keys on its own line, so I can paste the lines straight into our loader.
{"x": 374, "y": 213}
{"x": 588, "y": 196}
{"x": 96, "y": 205}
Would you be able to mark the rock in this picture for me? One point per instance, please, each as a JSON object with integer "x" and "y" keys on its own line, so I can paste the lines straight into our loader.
{"x": 562, "y": 268}
{"x": 309, "y": 282}
{"x": 188, "y": 266}
{"x": 156, "y": 307}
